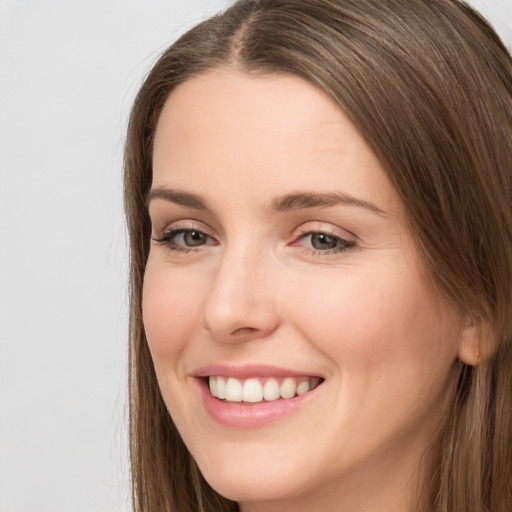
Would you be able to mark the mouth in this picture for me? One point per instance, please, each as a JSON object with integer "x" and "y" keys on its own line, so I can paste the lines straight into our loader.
{"x": 255, "y": 390}
{"x": 254, "y": 396}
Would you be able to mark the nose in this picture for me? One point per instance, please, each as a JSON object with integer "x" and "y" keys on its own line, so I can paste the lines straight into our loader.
{"x": 240, "y": 305}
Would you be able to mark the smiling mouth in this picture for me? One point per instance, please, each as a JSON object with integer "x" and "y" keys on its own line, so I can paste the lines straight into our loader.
{"x": 256, "y": 389}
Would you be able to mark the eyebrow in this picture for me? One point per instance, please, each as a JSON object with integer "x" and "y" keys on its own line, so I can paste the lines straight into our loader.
{"x": 177, "y": 197}
{"x": 289, "y": 202}
{"x": 299, "y": 200}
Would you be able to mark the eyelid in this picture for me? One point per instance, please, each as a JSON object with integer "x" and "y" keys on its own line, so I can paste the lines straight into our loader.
{"x": 166, "y": 236}
{"x": 184, "y": 225}
{"x": 326, "y": 228}
{"x": 344, "y": 243}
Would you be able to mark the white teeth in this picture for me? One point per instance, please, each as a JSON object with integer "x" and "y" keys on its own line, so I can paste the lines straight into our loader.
{"x": 252, "y": 391}
{"x": 271, "y": 390}
{"x": 234, "y": 390}
{"x": 221, "y": 387}
{"x": 288, "y": 388}
{"x": 303, "y": 387}
{"x": 213, "y": 386}
{"x": 256, "y": 390}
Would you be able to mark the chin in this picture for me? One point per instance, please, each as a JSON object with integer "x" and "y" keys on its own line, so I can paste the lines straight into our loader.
{"x": 253, "y": 479}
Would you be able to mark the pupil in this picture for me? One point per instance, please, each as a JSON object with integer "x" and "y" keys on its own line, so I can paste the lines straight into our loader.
{"x": 194, "y": 238}
{"x": 323, "y": 241}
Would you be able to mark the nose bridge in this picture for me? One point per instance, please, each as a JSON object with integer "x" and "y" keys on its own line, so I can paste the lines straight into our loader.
{"x": 238, "y": 306}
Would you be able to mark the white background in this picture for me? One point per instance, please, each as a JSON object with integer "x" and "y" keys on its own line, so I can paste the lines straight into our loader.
{"x": 68, "y": 72}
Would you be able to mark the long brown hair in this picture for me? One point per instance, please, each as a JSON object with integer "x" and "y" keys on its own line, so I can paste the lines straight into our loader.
{"x": 429, "y": 85}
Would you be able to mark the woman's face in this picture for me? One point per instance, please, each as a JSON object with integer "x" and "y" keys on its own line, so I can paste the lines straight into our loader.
{"x": 281, "y": 264}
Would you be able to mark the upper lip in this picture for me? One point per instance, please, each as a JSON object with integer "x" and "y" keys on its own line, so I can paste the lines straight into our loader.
{"x": 249, "y": 370}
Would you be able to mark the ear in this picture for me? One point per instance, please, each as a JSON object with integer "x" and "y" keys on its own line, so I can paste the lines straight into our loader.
{"x": 476, "y": 343}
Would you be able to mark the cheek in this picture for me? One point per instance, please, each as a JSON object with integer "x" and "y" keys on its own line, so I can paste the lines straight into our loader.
{"x": 391, "y": 344}
{"x": 170, "y": 311}
{"x": 375, "y": 320}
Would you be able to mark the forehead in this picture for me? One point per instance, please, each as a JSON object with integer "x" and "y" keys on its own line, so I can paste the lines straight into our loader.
{"x": 265, "y": 133}
{"x": 270, "y": 104}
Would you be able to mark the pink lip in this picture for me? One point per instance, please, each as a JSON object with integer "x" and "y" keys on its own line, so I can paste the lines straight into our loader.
{"x": 248, "y": 416}
{"x": 248, "y": 370}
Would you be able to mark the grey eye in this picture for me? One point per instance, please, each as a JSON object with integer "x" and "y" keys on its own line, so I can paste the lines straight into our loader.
{"x": 322, "y": 241}
{"x": 193, "y": 238}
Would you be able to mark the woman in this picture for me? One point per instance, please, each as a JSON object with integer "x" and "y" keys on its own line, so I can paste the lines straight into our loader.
{"x": 320, "y": 211}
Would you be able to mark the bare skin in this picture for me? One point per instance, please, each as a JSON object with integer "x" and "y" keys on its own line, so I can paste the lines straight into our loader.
{"x": 242, "y": 274}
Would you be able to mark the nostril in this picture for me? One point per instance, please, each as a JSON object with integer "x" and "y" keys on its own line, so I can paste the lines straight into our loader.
{"x": 244, "y": 331}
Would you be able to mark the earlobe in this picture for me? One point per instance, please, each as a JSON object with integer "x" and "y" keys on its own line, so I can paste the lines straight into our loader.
{"x": 475, "y": 343}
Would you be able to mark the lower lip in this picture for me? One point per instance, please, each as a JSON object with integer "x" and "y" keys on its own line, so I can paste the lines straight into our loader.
{"x": 246, "y": 416}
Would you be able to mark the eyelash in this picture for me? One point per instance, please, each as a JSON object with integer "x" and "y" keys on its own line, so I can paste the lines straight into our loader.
{"x": 166, "y": 239}
{"x": 344, "y": 245}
